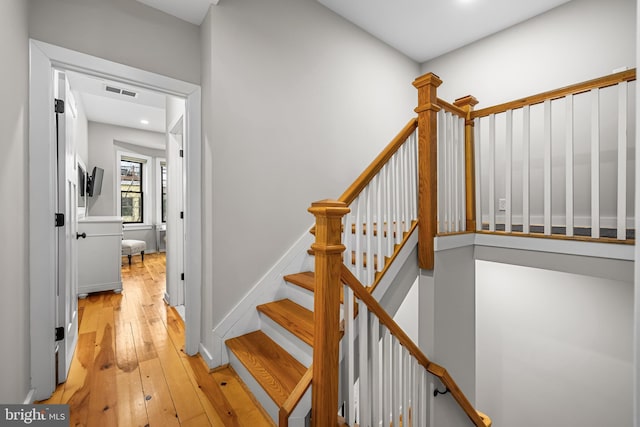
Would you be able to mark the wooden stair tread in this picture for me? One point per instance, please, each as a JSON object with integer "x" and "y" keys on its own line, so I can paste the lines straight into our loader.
{"x": 273, "y": 368}
{"x": 306, "y": 280}
{"x": 291, "y": 316}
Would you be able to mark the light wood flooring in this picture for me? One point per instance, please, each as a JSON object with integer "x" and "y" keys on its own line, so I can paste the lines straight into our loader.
{"x": 129, "y": 368}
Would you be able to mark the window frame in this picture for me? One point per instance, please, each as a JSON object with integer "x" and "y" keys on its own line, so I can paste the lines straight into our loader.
{"x": 146, "y": 176}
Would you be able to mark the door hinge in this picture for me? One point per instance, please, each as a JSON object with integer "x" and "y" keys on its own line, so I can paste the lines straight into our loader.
{"x": 181, "y": 214}
{"x": 59, "y": 220}
{"x": 181, "y": 153}
{"x": 181, "y": 276}
{"x": 60, "y": 333}
{"x": 59, "y": 106}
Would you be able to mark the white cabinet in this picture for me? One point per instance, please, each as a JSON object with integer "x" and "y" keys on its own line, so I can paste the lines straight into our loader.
{"x": 99, "y": 254}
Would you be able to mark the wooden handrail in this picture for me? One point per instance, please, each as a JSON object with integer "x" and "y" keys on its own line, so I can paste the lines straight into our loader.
{"x": 372, "y": 170}
{"x": 374, "y": 307}
{"x": 294, "y": 398}
{"x": 599, "y": 83}
{"x": 452, "y": 108}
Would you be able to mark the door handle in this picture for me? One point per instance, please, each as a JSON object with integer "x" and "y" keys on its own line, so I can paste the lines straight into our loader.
{"x": 83, "y": 235}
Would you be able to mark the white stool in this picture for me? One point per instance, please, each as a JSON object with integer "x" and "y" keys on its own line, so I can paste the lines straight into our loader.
{"x": 133, "y": 247}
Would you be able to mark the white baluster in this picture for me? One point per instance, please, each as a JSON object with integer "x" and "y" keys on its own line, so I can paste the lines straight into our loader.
{"x": 363, "y": 335}
{"x": 526, "y": 166}
{"x": 350, "y": 337}
{"x": 388, "y": 203}
{"x": 478, "y": 173}
{"x": 455, "y": 174}
{"x": 463, "y": 177}
{"x": 547, "y": 167}
{"x": 449, "y": 173}
{"x": 358, "y": 236}
{"x": 395, "y": 380}
{"x": 370, "y": 269}
{"x": 492, "y": 172}
{"x": 441, "y": 159}
{"x": 386, "y": 376}
{"x": 595, "y": 163}
{"x": 622, "y": 161}
{"x": 569, "y": 153}
{"x": 376, "y": 370}
{"x": 380, "y": 217}
{"x": 508, "y": 171}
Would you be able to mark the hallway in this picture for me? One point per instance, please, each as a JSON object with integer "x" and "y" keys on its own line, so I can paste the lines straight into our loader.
{"x": 129, "y": 368}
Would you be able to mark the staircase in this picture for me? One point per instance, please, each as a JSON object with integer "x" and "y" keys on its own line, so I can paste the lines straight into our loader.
{"x": 273, "y": 360}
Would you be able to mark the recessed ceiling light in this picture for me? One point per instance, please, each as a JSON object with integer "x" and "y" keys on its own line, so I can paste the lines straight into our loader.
{"x": 144, "y": 122}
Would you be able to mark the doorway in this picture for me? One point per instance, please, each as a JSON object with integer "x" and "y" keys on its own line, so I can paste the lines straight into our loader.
{"x": 44, "y": 58}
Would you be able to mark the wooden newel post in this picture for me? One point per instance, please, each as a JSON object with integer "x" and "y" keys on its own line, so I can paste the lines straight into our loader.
{"x": 427, "y": 110}
{"x": 328, "y": 249}
{"x": 467, "y": 103}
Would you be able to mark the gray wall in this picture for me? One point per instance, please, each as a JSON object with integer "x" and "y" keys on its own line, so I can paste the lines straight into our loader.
{"x": 296, "y": 102}
{"x": 123, "y": 31}
{"x": 578, "y": 41}
{"x": 554, "y": 343}
{"x": 104, "y": 141}
{"x": 14, "y": 190}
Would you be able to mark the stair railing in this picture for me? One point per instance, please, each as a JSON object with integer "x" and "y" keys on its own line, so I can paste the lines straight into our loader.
{"x": 384, "y": 207}
{"x": 374, "y": 217}
{"x": 392, "y": 371}
{"x": 557, "y": 163}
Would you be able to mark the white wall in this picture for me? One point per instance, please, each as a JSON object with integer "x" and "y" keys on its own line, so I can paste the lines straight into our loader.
{"x": 104, "y": 142}
{"x": 553, "y": 345}
{"x": 296, "y": 102}
{"x": 14, "y": 187}
{"x": 578, "y": 41}
{"x": 123, "y": 31}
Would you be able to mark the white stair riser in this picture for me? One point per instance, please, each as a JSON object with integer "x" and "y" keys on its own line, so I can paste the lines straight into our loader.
{"x": 285, "y": 339}
{"x": 256, "y": 389}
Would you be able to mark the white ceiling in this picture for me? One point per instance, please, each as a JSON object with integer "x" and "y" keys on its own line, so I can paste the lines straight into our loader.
{"x": 425, "y": 29}
{"x": 421, "y": 29}
{"x": 106, "y": 107}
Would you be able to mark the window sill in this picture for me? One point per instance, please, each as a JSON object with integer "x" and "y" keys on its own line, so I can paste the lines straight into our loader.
{"x": 133, "y": 227}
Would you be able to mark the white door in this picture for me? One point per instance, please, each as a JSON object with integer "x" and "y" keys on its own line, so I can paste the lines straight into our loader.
{"x": 175, "y": 215}
{"x": 67, "y": 198}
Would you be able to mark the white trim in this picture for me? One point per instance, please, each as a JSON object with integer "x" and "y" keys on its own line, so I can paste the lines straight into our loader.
{"x": 243, "y": 318}
{"x": 569, "y": 247}
{"x": 42, "y": 234}
{"x": 147, "y": 175}
{"x": 44, "y": 56}
{"x": 443, "y": 243}
{"x": 29, "y": 397}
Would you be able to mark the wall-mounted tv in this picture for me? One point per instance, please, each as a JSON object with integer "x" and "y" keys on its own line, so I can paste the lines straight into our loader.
{"x": 94, "y": 183}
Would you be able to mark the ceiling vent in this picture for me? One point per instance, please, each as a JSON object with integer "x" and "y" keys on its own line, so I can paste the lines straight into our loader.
{"x": 119, "y": 91}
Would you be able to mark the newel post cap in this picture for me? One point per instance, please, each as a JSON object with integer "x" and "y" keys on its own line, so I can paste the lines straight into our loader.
{"x": 329, "y": 207}
{"x": 429, "y": 79}
{"x": 465, "y": 101}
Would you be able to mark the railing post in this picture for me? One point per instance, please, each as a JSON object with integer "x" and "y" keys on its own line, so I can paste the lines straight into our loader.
{"x": 327, "y": 250}
{"x": 427, "y": 110}
{"x": 466, "y": 104}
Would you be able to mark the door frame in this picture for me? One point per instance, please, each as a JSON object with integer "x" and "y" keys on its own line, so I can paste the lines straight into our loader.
{"x": 42, "y": 249}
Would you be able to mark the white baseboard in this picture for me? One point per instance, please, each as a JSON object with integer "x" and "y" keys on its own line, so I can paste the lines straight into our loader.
{"x": 560, "y": 220}
{"x": 243, "y": 318}
{"x": 29, "y": 398}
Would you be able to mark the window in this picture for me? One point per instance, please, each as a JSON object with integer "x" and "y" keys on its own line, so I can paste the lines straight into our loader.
{"x": 163, "y": 191}
{"x": 131, "y": 190}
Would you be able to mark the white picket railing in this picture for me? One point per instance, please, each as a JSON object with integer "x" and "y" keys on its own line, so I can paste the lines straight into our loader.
{"x": 558, "y": 161}
{"x": 451, "y": 173}
{"x": 382, "y": 212}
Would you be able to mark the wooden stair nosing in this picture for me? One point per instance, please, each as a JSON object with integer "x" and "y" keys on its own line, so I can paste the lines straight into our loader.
{"x": 291, "y": 316}
{"x": 273, "y": 367}
{"x": 307, "y": 280}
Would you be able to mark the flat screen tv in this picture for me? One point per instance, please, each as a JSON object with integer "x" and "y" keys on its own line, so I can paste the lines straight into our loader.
{"x": 94, "y": 183}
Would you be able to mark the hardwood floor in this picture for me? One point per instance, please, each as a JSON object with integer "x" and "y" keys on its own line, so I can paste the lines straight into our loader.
{"x": 129, "y": 368}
